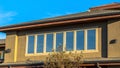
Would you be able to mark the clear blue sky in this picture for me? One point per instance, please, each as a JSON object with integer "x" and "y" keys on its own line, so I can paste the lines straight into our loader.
{"x": 18, "y": 11}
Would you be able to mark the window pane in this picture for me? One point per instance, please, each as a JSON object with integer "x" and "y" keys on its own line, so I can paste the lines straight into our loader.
{"x": 31, "y": 44}
{"x": 1, "y": 55}
{"x": 91, "y": 39}
{"x": 80, "y": 40}
{"x": 49, "y": 43}
{"x": 59, "y": 41}
{"x": 69, "y": 41}
{"x": 40, "y": 43}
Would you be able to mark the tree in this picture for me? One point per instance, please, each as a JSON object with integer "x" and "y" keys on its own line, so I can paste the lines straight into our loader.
{"x": 63, "y": 59}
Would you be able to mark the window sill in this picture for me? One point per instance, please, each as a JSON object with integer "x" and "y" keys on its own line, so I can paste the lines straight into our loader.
{"x": 81, "y": 51}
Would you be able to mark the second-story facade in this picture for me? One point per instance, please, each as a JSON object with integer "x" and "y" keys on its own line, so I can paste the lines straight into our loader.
{"x": 95, "y": 33}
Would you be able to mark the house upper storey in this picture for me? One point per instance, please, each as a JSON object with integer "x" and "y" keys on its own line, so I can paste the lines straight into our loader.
{"x": 90, "y": 32}
{"x": 69, "y": 38}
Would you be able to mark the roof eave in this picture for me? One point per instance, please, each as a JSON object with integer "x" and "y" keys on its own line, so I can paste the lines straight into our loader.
{"x": 108, "y": 6}
{"x": 59, "y": 23}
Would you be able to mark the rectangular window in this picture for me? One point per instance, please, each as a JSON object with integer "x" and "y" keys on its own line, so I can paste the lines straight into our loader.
{"x": 49, "y": 43}
{"x": 40, "y": 43}
{"x": 69, "y": 41}
{"x": 91, "y": 39}
{"x": 73, "y": 40}
{"x": 80, "y": 40}
{"x": 1, "y": 55}
{"x": 59, "y": 41}
{"x": 30, "y": 44}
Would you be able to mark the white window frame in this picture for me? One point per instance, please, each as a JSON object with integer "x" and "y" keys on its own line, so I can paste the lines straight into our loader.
{"x": 64, "y": 42}
{"x": 27, "y": 44}
{"x": 96, "y": 42}
{"x": 84, "y": 40}
{"x": 74, "y": 37}
{"x": 63, "y": 39}
{"x": 53, "y": 41}
{"x": 44, "y": 43}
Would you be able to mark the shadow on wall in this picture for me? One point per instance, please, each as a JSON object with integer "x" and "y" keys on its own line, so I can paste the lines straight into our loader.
{"x": 104, "y": 41}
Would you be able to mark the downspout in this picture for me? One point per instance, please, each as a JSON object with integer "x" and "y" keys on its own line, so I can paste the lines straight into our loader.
{"x": 98, "y": 66}
{"x": 9, "y": 66}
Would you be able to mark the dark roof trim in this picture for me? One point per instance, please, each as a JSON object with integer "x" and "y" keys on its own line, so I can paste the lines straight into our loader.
{"x": 86, "y": 62}
{"x": 4, "y": 29}
{"x": 40, "y": 64}
{"x": 70, "y": 17}
{"x": 2, "y": 46}
{"x": 108, "y": 6}
{"x": 101, "y": 64}
{"x": 22, "y": 64}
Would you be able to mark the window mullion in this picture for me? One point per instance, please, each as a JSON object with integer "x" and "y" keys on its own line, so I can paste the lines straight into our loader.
{"x": 75, "y": 41}
{"x": 35, "y": 45}
{"x": 64, "y": 41}
{"x": 54, "y": 42}
{"x": 26, "y": 44}
{"x": 44, "y": 45}
{"x": 85, "y": 40}
{"x": 96, "y": 39}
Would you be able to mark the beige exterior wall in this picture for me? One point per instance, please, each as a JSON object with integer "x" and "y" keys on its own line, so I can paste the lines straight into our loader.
{"x": 17, "y": 41}
{"x": 20, "y": 46}
{"x": 114, "y": 35}
{"x": 22, "y": 49}
{"x": 10, "y": 44}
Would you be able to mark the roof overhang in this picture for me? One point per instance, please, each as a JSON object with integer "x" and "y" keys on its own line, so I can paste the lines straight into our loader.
{"x": 101, "y": 64}
{"x": 91, "y": 19}
{"x": 2, "y": 46}
{"x": 41, "y": 64}
{"x": 108, "y": 7}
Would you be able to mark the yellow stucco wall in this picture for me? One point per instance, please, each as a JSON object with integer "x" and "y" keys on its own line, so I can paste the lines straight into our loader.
{"x": 114, "y": 34}
{"x": 10, "y": 44}
{"x": 112, "y": 50}
{"x": 21, "y": 46}
{"x": 22, "y": 49}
